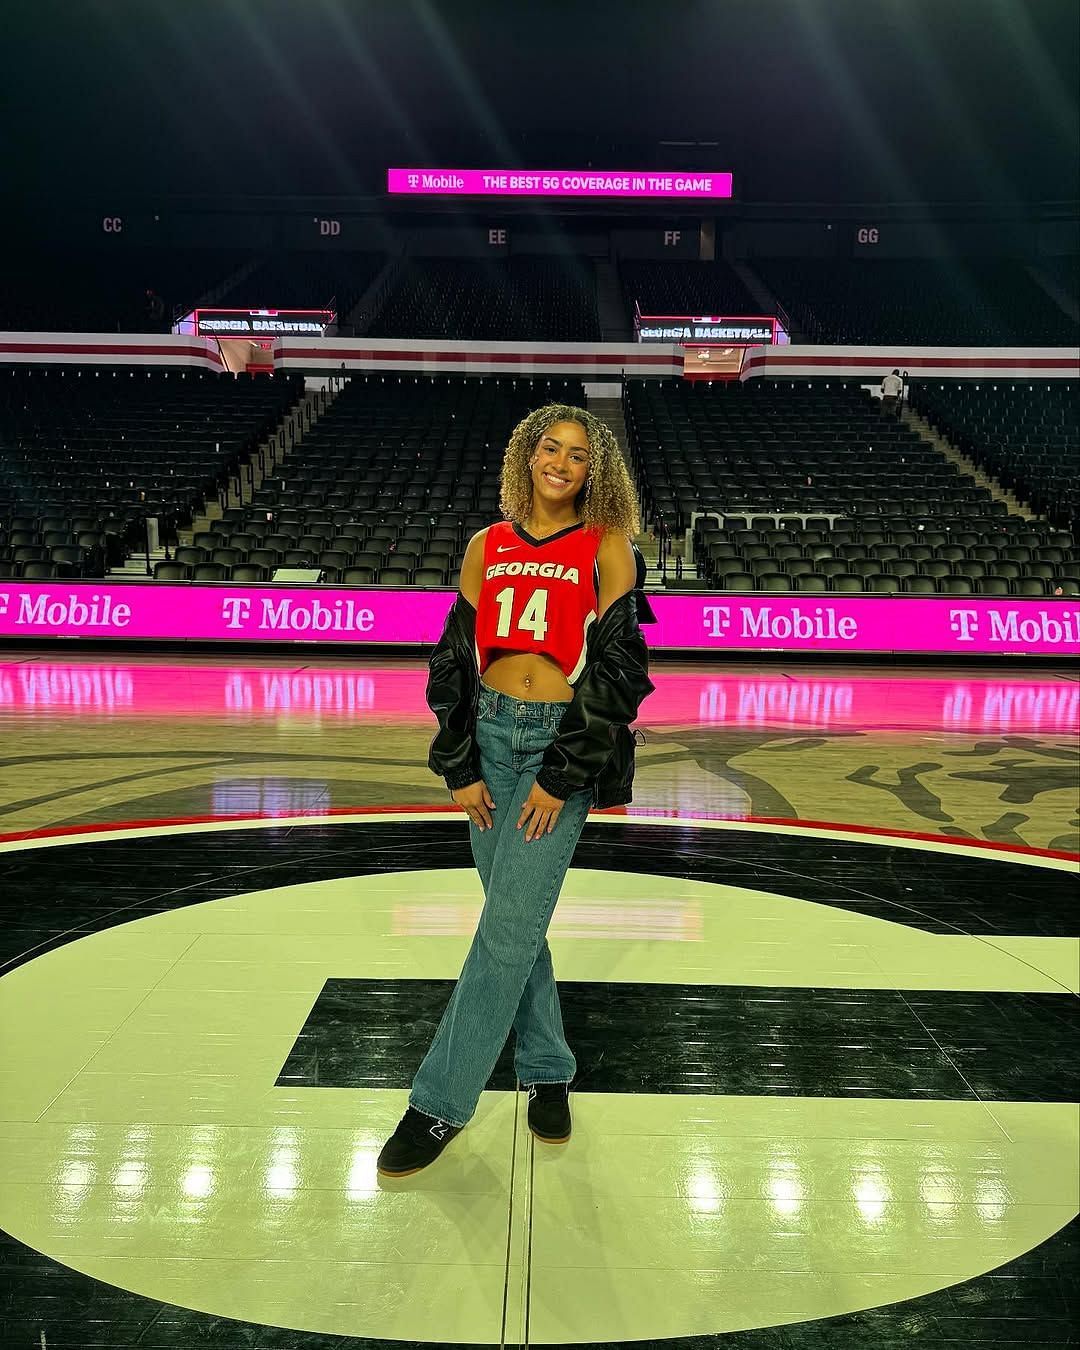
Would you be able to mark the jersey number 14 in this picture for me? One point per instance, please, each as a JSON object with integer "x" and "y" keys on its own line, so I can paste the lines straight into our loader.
{"x": 533, "y": 617}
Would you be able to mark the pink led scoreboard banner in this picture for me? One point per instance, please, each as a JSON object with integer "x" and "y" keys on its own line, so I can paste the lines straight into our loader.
{"x": 557, "y": 183}
{"x": 949, "y": 626}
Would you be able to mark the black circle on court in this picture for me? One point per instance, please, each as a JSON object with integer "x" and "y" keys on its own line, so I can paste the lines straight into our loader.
{"x": 55, "y": 895}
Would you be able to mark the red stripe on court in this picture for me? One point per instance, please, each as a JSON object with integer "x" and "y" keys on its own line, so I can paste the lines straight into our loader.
{"x": 881, "y": 831}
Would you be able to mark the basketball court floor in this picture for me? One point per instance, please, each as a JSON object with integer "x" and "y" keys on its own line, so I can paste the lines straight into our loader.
{"x": 821, "y": 980}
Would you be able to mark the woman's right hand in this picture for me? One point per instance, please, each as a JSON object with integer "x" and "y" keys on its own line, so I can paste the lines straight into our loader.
{"x": 476, "y": 802}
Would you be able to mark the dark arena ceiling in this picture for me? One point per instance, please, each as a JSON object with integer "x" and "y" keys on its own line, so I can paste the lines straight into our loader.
{"x": 805, "y": 100}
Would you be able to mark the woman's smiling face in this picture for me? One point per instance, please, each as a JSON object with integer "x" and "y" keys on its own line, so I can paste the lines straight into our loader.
{"x": 560, "y": 463}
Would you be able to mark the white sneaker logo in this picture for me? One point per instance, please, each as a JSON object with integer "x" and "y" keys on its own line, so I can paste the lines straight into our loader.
{"x": 509, "y": 548}
{"x": 438, "y": 1130}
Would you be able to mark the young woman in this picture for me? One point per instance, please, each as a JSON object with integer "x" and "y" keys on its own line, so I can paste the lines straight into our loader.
{"x": 538, "y": 674}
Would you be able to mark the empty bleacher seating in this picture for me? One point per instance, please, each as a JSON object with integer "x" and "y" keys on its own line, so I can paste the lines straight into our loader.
{"x": 510, "y": 299}
{"x": 811, "y": 489}
{"x": 868, "y": 559}
{"x": 806, "y": 489}
{"x": 1063, "y": 272}
{"x": 685, "y": 287}
{"x": 103, "y": 290}
{"x": 307, "y": 279}
{"x": 1024, "y": 433}
{"x": 782, "y": 446}
{"x": 86, "y": 455}
{"x": 914, "y": 301}
{"x": 387, "y": 486}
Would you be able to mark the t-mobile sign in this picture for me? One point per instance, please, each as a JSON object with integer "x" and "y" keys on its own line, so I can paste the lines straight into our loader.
{"x": 158, "y": 610}
{"x": 557, "y": 183}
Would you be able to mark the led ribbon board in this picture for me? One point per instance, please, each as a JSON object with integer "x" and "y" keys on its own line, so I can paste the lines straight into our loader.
{"x": 945, "y": 625}
{"x": 553, "y": 183}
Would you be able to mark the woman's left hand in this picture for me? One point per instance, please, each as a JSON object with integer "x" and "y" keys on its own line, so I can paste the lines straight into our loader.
{"x": 541, "y": 810}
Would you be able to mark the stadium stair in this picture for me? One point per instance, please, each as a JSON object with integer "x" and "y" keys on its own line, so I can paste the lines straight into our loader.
{"x": 948, "y": 451}
{"x": 358, "y": 321}
{"x": 285, "y": 437}
{"x": 1058, "y": 293}
{"x": 222, "y": 289}
{"x": 610, "y": 304}
{"x": 610, "y": 411}
{"x": 764, "y": 298}
{"x": 134, "y": 566}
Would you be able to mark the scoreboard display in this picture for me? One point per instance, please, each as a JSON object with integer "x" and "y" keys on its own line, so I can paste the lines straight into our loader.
{"x": 734, "y": 330}
{"x": 256, "y": 323}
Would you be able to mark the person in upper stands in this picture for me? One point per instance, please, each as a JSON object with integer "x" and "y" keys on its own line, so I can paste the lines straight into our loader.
{"x": 892, "y": 386}
{"x": 535, "y": 681}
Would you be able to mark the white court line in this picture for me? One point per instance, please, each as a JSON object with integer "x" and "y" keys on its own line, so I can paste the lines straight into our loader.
{"x": 850, "y": 833}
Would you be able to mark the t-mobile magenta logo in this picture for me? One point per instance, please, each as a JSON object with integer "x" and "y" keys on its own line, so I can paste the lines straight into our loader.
{"x": 414, "y": 180}
{"x": 3, "y": 602}
{"x": 234, "y": 612}
{"x": 965, "y": 623}
{"x": 716, "y": 620}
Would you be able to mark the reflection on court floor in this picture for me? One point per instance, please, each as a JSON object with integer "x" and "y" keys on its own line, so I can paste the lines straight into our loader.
{"x": 974, "y": 753}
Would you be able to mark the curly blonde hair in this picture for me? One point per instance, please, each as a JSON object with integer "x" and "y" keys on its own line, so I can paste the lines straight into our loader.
{"x": 608, "y": 500}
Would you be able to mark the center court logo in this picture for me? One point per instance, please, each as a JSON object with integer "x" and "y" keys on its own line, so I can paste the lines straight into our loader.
{"x": 158, "y": 1060}
{"x": 1006, "y": 625}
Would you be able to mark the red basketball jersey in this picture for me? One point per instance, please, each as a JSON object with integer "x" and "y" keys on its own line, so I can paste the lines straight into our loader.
{"x": 537, "y": 595}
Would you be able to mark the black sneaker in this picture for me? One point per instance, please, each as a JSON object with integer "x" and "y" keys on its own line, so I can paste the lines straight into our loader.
{"x": 549, "y": 1112}
{"x": 417, "y": 1142}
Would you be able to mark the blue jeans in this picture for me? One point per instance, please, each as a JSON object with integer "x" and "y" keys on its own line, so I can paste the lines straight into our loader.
{"x": 507, "y": 980}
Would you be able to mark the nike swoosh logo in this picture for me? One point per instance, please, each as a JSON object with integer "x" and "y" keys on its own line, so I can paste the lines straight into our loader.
{"x": 508, "y": 549}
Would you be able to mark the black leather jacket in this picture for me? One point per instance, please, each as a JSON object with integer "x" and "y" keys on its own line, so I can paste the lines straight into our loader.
{"x": 594, "y": 749}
